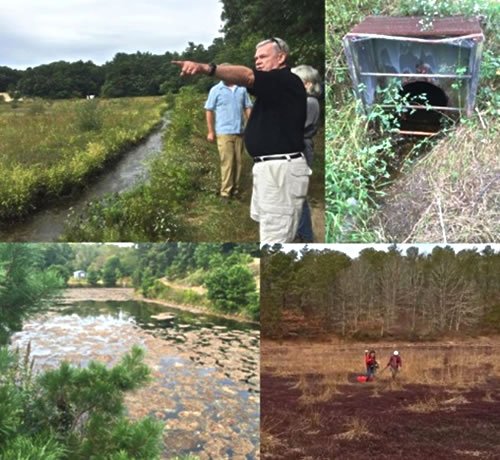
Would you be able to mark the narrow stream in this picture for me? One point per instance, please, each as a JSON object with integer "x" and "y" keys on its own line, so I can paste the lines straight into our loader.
{"x": 206, "y": 379}
{"x": 48, "y": 224}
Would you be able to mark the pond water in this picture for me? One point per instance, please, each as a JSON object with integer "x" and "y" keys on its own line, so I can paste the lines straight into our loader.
{"x": 206, "y": 369}
{"x": 48, "y": 223}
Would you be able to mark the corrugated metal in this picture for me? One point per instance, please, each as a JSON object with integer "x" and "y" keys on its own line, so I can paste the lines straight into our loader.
{"x": 454, "y": 26}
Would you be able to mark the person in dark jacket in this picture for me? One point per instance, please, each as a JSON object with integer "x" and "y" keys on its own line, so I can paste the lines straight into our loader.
{"x": 312, "y": 82}
{"x": 395, "y": 364}
{"x": 371, "y": 364}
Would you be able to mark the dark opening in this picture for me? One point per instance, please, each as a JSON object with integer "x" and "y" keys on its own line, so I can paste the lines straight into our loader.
{"x": 421, "y": 119}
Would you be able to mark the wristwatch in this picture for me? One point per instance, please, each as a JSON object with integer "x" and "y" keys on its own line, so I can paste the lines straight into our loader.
{"x": 213, "y": 68}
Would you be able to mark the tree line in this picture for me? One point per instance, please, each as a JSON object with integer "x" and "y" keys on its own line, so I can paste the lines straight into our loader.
{"x": 380, "y": 294}
{"x": 300, "y": 23}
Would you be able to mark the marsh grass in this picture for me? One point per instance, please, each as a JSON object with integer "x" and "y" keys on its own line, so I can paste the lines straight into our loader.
{"x": 459, "y": 367}
{"x": 270, "y": 442}
{"x": 45, "y": 153}
{"x": 356, "y": 428}
{"x": 424, "y": 406}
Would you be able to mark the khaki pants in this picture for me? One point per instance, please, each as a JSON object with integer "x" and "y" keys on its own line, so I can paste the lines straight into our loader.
{"x": 279, "y": 191}
{"x": 230, "y": 152}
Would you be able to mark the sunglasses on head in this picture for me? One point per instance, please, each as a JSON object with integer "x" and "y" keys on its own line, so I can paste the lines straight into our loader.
{"x": 275, "y": 40}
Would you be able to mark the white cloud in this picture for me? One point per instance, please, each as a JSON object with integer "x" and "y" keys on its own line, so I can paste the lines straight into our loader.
{"x": 34, "y": 32}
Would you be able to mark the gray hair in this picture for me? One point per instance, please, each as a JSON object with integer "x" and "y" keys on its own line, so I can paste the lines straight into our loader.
{"x": 310, "y": 74}
{"x": 279, "y": 44}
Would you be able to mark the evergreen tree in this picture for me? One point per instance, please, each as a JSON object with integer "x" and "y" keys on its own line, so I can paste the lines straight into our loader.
{"x": 93, "y": 277}
{"x": 73, "y": 413}
{"x": 24, "y": 285}
{"x": 111, "y": 271}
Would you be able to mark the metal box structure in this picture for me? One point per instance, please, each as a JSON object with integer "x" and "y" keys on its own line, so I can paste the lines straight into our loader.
{"x": 438, "y": 62}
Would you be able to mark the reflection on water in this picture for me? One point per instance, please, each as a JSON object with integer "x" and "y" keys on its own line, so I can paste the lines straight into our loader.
{"x": 206, "y": 369}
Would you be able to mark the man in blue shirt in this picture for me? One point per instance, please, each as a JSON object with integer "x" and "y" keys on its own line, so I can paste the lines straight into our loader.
{"x": 225, "y": 107}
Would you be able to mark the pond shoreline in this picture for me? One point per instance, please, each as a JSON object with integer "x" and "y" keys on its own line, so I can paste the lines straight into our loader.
{"x": 127, "y": 293}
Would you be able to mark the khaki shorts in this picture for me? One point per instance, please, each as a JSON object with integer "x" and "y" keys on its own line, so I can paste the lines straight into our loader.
{"x": 279, "y": 190}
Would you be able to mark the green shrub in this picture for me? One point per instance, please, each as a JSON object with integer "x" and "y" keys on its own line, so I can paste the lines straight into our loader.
{"x": 89, "y": 115}
{"x": 37, "y": 107}
{"x": 73, "y": 413}
{"x": 231, "y": 288}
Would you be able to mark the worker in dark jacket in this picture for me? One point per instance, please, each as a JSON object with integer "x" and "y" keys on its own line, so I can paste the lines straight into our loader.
{"x": 371, "y": 364}
{"x": 395, "y": 363}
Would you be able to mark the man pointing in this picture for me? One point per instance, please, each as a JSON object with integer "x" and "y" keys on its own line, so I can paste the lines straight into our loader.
{"x": 274, "y": 136}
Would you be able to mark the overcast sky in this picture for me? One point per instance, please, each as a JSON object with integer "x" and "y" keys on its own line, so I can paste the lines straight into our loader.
{"x": 34, "y": 32}
{"x": 353, "y": 250}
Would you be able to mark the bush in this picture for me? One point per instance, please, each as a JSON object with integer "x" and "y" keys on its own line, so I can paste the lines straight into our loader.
{"x": 232, "y": 289}
{"x": 37, "y": 107}
{"x": 73, "y": 413}
{"x": 89, "y": 116}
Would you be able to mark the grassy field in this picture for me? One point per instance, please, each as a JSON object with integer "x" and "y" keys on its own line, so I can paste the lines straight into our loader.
{"x": 444, "y": 404}
{"x": 381, "y": 188}
{"x": 48, "y": 148}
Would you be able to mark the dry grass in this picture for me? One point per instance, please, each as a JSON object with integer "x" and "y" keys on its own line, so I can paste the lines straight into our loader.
{"x": 433, "y": 404}
{"x": 318, "y": 394}
{"x": 356, "y": 429}
{"x": 452, "y": 366}
{"x": 452, "y": 195}
{"x": 424, "y": 406}
{"x": 269, "y": 442}
{"x": 488, "y": 397}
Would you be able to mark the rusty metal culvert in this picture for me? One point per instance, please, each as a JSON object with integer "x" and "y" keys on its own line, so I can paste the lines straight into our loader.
{"x": 436, "y": 62}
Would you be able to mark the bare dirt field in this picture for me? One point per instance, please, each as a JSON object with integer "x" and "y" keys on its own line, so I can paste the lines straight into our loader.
{"x": 445, "y": 404}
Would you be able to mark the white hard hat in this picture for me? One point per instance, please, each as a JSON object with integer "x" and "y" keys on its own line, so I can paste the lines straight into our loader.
{"x": 396, "y": 353}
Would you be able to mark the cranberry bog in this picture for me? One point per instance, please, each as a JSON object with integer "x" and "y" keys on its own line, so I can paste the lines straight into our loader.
{"x": 444, "y": 404}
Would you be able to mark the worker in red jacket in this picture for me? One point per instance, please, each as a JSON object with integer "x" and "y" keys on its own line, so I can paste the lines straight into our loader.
{"x": 395, "y": 363}
{"x": 371, "y": 364}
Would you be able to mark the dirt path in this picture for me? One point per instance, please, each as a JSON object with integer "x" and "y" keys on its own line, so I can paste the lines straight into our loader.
{"x": 318, "y": 221}
{"x": 198, "y": 289}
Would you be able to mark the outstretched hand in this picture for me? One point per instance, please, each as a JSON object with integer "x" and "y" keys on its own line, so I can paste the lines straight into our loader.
{"x": 190, "y": 67}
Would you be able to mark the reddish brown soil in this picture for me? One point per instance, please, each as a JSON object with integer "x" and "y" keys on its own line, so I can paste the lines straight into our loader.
{"x": 466, "y": 424}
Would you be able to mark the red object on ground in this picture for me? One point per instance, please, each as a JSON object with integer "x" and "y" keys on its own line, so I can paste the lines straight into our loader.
{"x": 361, "y": 378}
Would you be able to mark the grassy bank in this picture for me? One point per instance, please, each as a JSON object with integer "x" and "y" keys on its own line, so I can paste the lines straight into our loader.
{"x": 47, "y": 148}
{"x": 203, "y": 291}
{"x": 429, "y": 179}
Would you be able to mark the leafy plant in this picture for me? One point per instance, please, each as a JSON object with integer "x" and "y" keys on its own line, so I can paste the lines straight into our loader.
{"x": 89, "y": 115}
{"x": 73, "y": 413}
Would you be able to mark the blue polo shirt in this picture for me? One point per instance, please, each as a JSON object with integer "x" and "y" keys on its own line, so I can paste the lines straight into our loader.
{"x": 228, "y": 105}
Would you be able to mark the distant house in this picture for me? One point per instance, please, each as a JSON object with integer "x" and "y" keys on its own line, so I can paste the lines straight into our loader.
{"x": 80, "y": 275}
{"x": 6, "y": 97}
{"x": 90, "y": 96}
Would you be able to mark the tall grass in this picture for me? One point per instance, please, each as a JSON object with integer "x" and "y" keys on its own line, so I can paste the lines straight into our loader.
{"x": 460, "y": 366}
{"x": 49, "y": 151}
